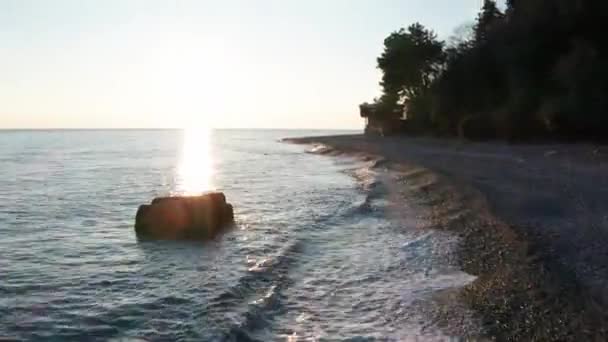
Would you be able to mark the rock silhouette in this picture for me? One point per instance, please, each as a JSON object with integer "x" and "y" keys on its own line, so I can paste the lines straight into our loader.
{"x": 184, "y": 217}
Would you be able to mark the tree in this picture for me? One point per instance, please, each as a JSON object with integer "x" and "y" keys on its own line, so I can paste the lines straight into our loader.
{"x": 487, "y": 19}
{"x": 540, "y": 70}
{"x": 411, "y": 60}
{"x": 463, "y": 35}
{"x": 510, "y": 5}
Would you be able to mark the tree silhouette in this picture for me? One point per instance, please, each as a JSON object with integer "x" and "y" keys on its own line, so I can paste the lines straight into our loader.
{"x": 488, "y": 18}
{"x": 410, "y": 62}
{"x": 539, "y": 70}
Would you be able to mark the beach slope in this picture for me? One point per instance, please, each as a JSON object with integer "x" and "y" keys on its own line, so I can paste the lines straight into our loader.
{"x": 536, "y": 232}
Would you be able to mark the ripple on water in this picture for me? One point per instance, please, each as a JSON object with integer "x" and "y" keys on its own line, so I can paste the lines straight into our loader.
{"x": 314, "y": 255}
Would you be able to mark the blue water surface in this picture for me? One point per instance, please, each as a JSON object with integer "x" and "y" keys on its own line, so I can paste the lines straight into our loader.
{"x": 313, "y": 254}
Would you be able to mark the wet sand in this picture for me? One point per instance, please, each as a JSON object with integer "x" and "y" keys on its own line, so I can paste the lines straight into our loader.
{"x": 533, "y": 221}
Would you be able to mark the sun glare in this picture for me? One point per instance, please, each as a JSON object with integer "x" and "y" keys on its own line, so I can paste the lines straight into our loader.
{"x": 195, "y": 171}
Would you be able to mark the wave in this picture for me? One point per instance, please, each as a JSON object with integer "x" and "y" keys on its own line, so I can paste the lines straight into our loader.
{"x": 257, "y": 294}
{"x": 321, "y": 149}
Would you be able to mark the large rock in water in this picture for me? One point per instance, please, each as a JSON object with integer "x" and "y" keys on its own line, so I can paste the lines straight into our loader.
{"x": 184, "y": 217}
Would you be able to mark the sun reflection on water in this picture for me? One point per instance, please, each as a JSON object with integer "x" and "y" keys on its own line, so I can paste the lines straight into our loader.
{"x": 195, "y": 170}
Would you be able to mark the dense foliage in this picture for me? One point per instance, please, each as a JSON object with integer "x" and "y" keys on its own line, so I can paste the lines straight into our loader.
{"x": 538, "y": 69}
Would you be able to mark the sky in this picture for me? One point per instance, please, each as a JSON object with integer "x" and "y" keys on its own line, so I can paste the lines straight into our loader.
{"x": 218, "y": 64}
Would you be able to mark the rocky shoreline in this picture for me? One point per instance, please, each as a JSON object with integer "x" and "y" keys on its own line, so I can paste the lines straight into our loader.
{"x": 523, "y": 290}
{"x": 518, "y": 295}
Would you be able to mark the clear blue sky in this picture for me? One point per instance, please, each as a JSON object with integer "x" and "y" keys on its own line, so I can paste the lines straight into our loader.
{"x": 228, "y": 63}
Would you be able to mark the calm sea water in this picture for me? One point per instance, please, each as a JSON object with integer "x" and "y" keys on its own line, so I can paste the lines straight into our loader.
{"x": 314, "y": 254}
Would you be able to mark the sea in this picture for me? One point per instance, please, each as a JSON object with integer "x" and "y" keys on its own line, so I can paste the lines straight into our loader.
{"x": 321, "y": 249}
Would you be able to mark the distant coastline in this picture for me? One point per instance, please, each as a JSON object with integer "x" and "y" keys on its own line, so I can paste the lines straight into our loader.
{"x": 525, "y": 215}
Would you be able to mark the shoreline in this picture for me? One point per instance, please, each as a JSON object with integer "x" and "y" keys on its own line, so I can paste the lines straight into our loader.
{"x": 525, "y": 289}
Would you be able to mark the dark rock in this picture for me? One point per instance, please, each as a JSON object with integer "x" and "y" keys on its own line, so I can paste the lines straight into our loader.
{"x": 184, "y": 217}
